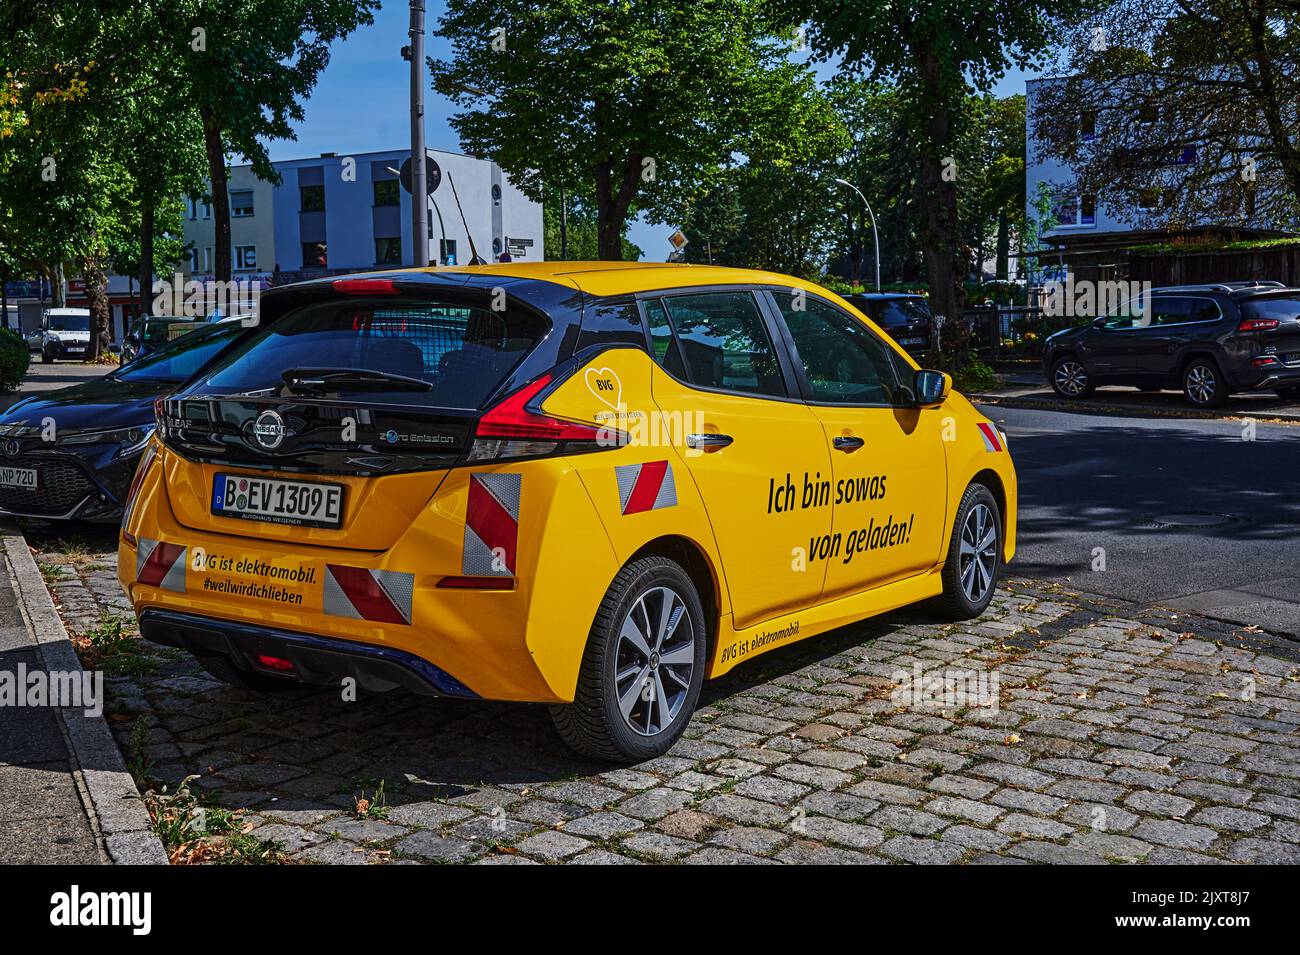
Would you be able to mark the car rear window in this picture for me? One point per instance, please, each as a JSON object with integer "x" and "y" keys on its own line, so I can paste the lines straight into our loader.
{"x": 463, "y": 352}
{"x": 1283, "y": 309}
{"x": 891, "y": 313}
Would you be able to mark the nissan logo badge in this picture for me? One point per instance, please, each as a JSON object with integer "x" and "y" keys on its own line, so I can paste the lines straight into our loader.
{"x": 269, "y": 430}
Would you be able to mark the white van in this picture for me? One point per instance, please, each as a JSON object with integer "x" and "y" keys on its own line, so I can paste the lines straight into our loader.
{"x": 64, "y": 333}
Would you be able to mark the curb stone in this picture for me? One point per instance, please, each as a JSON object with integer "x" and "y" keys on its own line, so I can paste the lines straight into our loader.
{"x": 107, "y": 790}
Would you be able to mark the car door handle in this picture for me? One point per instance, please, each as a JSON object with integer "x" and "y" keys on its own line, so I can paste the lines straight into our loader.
{"x": 846, "y": 444}
{"x": 708, "y": 442}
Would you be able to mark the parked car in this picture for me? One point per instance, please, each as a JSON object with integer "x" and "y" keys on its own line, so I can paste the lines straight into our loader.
{"x": 64, "y": 333}
{"x": 906, "y": 318}
{"x": 1208, "y": 340}
{"x": 150, "y": 332}
{"x": 71, "y": 453}
{"x": 587, "y": 485}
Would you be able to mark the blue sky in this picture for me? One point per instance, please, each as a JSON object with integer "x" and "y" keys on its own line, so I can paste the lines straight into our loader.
{"x": 361, "y": 103}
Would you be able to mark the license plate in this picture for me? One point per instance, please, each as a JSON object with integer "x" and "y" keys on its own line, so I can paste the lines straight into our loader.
{"x": 304, "y": 503}
{"x": 911, "y": 341}
{"x": 18, "y": 477}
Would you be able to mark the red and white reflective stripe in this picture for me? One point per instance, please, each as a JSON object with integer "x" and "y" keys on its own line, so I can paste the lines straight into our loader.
{"x": 159, "y": 564}
{"x": 990, "y": 434}
{"x": 491, "y": 525}
{"x": 383, "y": 596}
{"x": 645, "y": 487}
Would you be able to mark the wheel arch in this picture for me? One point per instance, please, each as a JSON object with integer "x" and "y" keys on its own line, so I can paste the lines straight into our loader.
{"x": 693, "y": 559}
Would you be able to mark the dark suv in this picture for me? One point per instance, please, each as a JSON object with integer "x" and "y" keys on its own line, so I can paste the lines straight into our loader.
{"x": 1208, "y": 340}
{"x": 905, "y": 318}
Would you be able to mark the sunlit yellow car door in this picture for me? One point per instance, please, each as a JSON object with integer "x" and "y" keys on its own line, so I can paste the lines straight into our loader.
{"x": 888, "y": 482}
{"x": 754, "y": 452}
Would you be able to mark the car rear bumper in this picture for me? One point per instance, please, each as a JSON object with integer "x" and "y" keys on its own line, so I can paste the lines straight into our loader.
{"x": 315, "y": 660}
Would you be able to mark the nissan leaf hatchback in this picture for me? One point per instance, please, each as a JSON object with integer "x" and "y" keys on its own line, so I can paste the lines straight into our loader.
{"x": 591, "y": 485}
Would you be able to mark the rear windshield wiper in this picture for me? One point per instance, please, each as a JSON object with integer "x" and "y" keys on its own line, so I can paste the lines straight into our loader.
{"x": 351, "y": 379}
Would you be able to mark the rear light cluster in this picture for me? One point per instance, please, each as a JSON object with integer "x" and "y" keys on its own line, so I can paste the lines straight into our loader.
{"x": 141, "y": 472}
{"x": 515, "y": 427}
{"x": 1258, "y": 324}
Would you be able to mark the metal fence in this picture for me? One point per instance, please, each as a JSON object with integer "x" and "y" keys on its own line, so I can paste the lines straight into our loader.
{"x": 1003, "y": 332}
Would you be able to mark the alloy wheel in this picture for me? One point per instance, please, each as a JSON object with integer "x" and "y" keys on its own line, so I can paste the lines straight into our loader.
{"x": 978, "y": 557}
{"x": 654, "y": 661}
{"x": 1200, "y": 384}
{"x": 1071, "y": 379}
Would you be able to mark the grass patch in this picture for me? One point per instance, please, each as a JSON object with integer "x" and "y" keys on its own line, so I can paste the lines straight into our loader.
{"x": 112, "y": 647}
{"x": 373, "y": 807}
{"x": 194, "y": 832}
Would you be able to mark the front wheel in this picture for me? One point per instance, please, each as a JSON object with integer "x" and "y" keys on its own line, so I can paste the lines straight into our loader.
{"x": 1070, "y": 378}
{"x": 46, "y": 357}
{"x": 970, "y": 574}
{"x": 643, "y": 667}
{"x": 1203, "y": 384}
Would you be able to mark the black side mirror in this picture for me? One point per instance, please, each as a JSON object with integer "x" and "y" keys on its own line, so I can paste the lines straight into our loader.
{"x": 931, "y": 387}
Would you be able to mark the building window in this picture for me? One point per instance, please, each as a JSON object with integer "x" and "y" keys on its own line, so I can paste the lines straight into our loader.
{"x": 245, "y": 257}
{"x": 207, "y": 210}
{"x": 241, "y": 204}
{"x": 207, "y": 259}
{"x": 312, "y": 198}
{"x": 447, "y": 251}
{"x": 194, "y": 260}
{"x": 1088, "y": 210}
{"x": 313, "y": 255}
{"x": 1070, "y": 209}
{"x": 1154, "y": 198}
{"x": 1088, "y": 126}
{"x": 194, "y": 209}
{"x": 387, "y": 192}
{"x": 496, "y": 195}
{"x": 1148, "y": 114}
{"x": 388, "y": 251}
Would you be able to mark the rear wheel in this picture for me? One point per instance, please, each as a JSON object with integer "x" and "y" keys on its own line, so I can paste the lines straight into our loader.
{"x": 643, "y": 667}
{"x": 1203, "y": 384}
{"x": 1070, "y": 378}
{"x": 970, "y": 575}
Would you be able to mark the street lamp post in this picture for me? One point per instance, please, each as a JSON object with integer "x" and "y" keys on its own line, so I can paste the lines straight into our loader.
{"x": 875, "y": 236}
{"x": 419, "y": 190}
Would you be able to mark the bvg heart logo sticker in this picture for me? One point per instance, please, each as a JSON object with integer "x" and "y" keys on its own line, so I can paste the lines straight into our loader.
{"x": 604, "y": 384}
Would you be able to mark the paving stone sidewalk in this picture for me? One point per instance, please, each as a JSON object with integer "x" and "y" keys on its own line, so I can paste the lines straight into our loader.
{"x": 1118, "y": 734}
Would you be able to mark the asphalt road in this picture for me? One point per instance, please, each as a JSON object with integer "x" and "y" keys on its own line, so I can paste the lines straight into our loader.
{"x": 59, "y": 374}
{"x": 1138, "y": 487}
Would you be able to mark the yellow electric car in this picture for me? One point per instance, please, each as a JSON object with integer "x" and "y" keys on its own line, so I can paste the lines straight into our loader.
{"x": 590, "y": 485}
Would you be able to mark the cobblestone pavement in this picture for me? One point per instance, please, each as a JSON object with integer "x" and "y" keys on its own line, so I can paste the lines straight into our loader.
{"x": 1119, "y": 734}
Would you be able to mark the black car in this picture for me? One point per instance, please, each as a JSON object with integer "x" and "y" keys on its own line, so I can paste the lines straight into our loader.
{"x": 905, "y": 318}
{"x": 151, "y": 332}
{"x": 71, "y": 453}
{"x": 1208, "y": 340}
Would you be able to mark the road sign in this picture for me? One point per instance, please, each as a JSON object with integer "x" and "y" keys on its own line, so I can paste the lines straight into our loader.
{"x": 678, "y": 240}
{"x": 432, "y": 174}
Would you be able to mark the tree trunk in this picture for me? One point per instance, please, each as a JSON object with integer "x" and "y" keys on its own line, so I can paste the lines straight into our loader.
{"x": 92, "y": 274}
{"x": 938, "y": 225}
{"x": 58, "y": 294}
{"x": 146, "y": 256}
{"x": 220, "y": 195}
{"x": 612, "y": 207}
{"x": 1004, "y": 247}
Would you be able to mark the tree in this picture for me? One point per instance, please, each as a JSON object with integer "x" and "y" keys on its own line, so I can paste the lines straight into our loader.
{"x": 1177, "y": 113}
{"x": 936, "y": 54}
{"x": 583, "y": 235}
{"x": 245, "y": 66}
{"x": 638, "y": 104}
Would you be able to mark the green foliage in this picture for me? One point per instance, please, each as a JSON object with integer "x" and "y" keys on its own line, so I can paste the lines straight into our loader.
{"x": 975, "y": 376}
{"x": 14, "y": 358}
{"x": 638, "y": 105}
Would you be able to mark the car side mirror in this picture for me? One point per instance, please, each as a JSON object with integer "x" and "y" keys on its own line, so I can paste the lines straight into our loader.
{"x": 931, "y": 387}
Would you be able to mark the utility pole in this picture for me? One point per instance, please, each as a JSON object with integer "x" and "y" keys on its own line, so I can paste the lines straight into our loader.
{"x": 564, "y": 224}
{"x": 419, "y": 189}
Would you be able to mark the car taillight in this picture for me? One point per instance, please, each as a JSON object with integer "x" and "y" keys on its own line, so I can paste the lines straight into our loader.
{"x": 1258, "y": 324}
{"x": 365, "y": 286}
{"x": 515, "y": 427}
{"x": 279, "y": 664}
{"x": 141, "y": 471}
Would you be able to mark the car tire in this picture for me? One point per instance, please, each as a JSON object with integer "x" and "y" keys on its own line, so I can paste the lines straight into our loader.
{"x": 222, "y": 669}
{"x": 46, "y": 358}
{"x": 1289, "y": 393}
{"x": 609, "y": 718}
{"x": 970, "y": 574}
{"x": 1070, "y": 379}
{"x": 1203, "y": 384}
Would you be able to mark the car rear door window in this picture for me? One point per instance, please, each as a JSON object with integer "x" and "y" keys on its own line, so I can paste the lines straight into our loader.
{"x": 724, "y": 343}
{"x": 843, "y": 361}
{"x": 1182, "y": 310}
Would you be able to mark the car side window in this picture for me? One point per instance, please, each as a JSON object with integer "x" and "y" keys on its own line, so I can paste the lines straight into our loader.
{"x": 662, "y": 343}
{"x": 724, "y": 343}
{"x": 843, "y": 361}
{"x": 1180, "y": 310}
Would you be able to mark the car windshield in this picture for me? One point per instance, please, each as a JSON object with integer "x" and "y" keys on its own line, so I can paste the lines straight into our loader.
{"x": 69, "y": 323}
{"x": 179, "y": 359}
{"x": 464, "y": 353}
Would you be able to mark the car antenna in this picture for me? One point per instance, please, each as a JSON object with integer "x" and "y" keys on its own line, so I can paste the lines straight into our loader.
{"x": 474, "y": 260}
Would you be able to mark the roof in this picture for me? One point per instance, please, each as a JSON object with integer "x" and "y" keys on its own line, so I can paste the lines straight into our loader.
{"x": 614, "y": 278}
